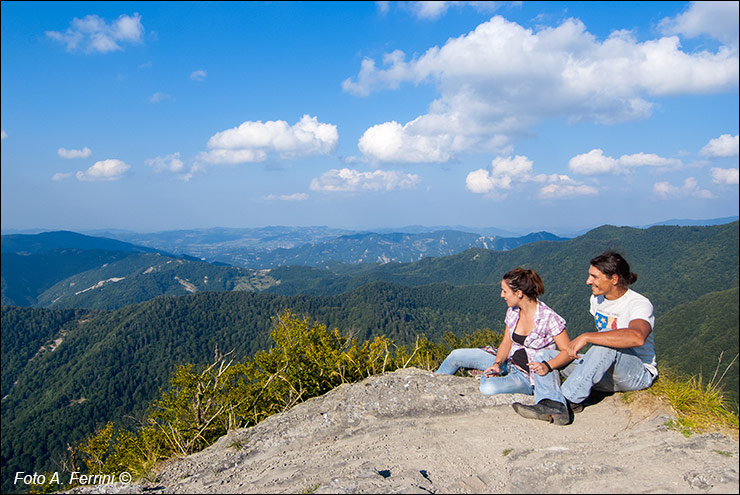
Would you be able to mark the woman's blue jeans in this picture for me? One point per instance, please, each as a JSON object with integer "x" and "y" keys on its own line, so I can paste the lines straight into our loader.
{"x": 511, "y": 381}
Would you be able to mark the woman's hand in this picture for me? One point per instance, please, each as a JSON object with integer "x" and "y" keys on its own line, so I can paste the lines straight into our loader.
{"x": 494, "y": 369}
{"x": 539, "y": 367}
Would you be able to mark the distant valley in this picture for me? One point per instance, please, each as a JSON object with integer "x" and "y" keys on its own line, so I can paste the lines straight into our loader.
{"x": 271, "y": 247}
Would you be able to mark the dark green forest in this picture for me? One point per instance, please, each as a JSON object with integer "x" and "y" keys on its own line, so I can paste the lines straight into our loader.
{"x": 108, "y": 365}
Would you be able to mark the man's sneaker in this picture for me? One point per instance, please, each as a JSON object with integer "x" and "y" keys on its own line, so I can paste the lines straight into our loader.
{"x": 546, "y": 410}
{"x": 576, "y": 407}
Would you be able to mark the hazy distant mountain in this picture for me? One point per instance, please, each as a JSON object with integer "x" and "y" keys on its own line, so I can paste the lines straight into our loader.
{"x": 381, "y": 248}
{"x": 218, "y": 241}
{"x": 49, "y": 241}
{"x": 689, "y": 222}
{"x": 270, "y": 247}
{"x": 33, "y": 263}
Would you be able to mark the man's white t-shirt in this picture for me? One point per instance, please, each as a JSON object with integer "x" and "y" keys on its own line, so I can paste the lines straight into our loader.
{"x": 617, "y": 313}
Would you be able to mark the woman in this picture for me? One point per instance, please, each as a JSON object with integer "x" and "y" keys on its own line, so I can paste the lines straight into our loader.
{"x": 530, "y": 326}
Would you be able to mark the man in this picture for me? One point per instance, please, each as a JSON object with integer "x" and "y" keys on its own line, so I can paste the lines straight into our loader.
{"x": 622, "y": 353}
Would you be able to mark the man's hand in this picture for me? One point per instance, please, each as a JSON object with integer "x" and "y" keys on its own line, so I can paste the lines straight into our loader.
{"x": 577, "y": 344}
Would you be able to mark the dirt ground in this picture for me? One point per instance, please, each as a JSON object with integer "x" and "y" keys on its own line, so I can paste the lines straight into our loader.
{"x": 413, "y": 432}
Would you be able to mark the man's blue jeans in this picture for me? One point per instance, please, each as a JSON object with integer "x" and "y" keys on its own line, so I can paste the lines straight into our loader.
{"x": 511, "y": 381}
{"x": 601, "y": 368}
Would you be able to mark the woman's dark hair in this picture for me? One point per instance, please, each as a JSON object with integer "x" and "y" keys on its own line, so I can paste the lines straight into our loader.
{"x": 526, "y": 281}
{"x": 612, "y": 263}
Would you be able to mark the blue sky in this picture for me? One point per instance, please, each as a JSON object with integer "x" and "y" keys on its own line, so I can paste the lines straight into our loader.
{"x": 525, "y": 116}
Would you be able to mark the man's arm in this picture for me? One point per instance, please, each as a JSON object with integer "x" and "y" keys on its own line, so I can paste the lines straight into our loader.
{"x": 633, "y": 335}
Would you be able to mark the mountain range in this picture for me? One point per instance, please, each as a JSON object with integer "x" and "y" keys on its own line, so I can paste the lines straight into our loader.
{"x": 71, "y": 270}
{"x": 271, "y": 247}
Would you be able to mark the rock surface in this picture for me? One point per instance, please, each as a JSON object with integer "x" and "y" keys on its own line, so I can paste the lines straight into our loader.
{"x": 413, "y": 432}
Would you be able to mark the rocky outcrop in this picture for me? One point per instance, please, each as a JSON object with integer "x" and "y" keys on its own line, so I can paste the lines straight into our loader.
{"x": 413, "y": 432}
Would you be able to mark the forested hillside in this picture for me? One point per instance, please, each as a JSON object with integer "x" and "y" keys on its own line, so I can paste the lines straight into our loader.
{"x": 140, "y": 277}
{"x": 112, "y": 365}
{"x": 674, "y": 266}
{"x": 26, "y": 276}
{"x": 695, "y": 335}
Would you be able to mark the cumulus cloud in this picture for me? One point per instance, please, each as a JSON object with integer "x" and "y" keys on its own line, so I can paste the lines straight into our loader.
{"x": 104, "y": 170}
{"x": 349, "y": 180}
{"x": 159, "y": 97}
{"x": 172, "y": 164}
{"x": 231, "y": 157}
{"x": 595, "y": 163}
{"x": 60, "y": 176}
{"x": 92, "y": 34}
{"x": 724, "y": 175}
{"x": 690, "y": 188}
{"x": 562, "y": 187}
{"x": 69, "y": 154}
{"x": 392, "y": 142}
{"x": 498, "y": 81}
{"x": 198, "y": 75}
{"x": 723, "y": 146}
{"x": 287, "y": 197}
{"x": 435, "y": 10}
{"x": 251, "y": 141}
{"x": 505, "y": 173}
{"x": 717, "y": 20}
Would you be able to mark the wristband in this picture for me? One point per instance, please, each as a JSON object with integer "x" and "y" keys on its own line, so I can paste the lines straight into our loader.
{"x": 549, "y": 368}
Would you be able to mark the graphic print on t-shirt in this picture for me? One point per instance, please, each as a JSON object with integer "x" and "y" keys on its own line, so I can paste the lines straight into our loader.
{"x": 604, "y": 322}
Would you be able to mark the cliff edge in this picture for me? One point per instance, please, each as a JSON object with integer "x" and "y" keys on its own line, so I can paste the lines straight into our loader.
{"x": 413, "y": 432}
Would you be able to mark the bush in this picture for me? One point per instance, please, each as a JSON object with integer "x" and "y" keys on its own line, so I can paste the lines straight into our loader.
{"x": 306, "y": 360}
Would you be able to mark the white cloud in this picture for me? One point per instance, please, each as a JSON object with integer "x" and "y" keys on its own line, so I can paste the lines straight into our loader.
{"x": 595, "y": 162}
{"x": 349, "y": 180}
{"x": 715, "y": 19}
{"x": 505, "y": 173}
{"x": 104, "y": 170}
{"x": 724, "y": 175}
{"x": 69, "y": 154}
{"x": 159, "y": 97}
{"x": 198, "y": 75}
{"x": 436, "y": 9}
{"x": 3, "y": 134}
{"x": 92, "y": 34}
{"x": 60, "y": 176}
{"x": 287, "y": 197}
{"x": 392, "y": 142}
{"x": 690, "y": 188}
{"x": 499, "y": 80}
{"x": 562, "y": 187}
{"x": 723, "y": 146}
{"x": 170, "y": 163}
{"x": 251, "y": 141}
{"x": 232, "y": 156}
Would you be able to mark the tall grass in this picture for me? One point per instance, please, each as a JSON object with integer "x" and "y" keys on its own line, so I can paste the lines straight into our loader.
{"x": 700, "y": 405}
